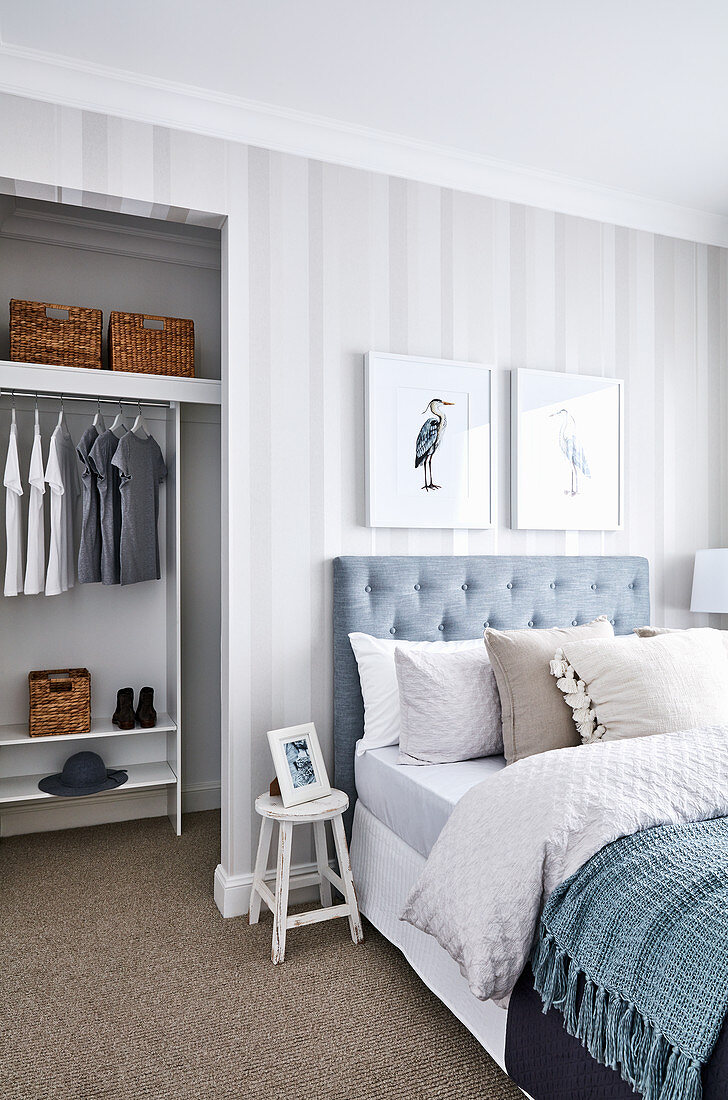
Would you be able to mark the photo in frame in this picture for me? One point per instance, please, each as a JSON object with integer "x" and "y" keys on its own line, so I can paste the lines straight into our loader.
{"x": 299, "y": 764}
{"x": 429, "y": 443}
{"x": 567, "y": 451}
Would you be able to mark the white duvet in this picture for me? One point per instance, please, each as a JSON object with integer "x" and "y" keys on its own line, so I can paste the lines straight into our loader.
{"x": 512, "y": 839}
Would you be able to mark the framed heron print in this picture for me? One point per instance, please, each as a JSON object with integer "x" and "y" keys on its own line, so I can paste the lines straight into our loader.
{"x": 429, "y": 442}
{"x": 567, "y": 462}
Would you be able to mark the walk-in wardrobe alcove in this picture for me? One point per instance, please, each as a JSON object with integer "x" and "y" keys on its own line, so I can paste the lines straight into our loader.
{"x": 166, "y": 633}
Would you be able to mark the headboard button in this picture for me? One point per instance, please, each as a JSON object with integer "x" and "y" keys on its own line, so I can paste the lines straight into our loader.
{"x": 552, "y": 585}
{"x": 417, "y": 587}
{"x": 464, "y": 587}
{"x": 594, "y": 588}
{"x": 612, "y": 621}
{"x": 367, "y": 588}
{"x": 441, "y": 627}
{"x": 486, "y": 625}
{"x": 630, "y": 585}
{"x": 573, "y": 622}
{"x": 530, "y": 623}
{"x": 392, "y": 630}
{"x": 509, "y": 585}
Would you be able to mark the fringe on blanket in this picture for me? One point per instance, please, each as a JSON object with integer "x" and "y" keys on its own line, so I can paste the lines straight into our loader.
{"x": 612, "y": 1029}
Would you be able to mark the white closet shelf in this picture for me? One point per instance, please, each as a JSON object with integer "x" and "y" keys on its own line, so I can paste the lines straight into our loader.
{"x": 101, "y": 727}
{"x": 24, "y": 788}
{"x": 107, "y": 384}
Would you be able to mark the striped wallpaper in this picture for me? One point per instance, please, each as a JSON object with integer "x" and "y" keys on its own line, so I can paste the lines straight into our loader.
{"x": 327, "y": 262}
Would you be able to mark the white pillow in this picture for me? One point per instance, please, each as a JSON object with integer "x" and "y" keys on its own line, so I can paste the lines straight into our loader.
{"x": 633, "y": 687}
{"x": 449, "y": 706}
{"x": 378, "y": 678}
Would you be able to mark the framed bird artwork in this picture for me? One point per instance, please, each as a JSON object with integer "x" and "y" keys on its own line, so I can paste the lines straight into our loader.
{"x": 429, "y": 443}
{"x": 567, "y": 451}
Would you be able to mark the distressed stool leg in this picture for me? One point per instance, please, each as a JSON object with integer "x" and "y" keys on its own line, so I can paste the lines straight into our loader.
{"x": 342, "y": 854}
{"x": 283, "y": 871}
{"x": 261, "y": 862}
{"x": 322, "y": 861}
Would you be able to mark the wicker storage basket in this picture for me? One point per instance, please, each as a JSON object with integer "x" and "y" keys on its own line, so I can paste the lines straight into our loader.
{"x": 151, "y": 345}
{"x": 60, "y": 702}
{"x": 73, "y": 340}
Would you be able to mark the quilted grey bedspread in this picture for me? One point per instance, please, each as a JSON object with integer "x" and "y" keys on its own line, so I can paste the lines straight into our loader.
{"x": 512, "y": 839}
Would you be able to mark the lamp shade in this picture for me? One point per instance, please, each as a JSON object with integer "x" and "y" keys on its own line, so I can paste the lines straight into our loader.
{"x": 710, "y": 581}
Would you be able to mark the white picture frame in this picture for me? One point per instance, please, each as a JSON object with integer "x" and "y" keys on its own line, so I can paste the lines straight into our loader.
{"x": 299, "y": 764}
{"x": 399, "y": 392}
{"x": 567, "y": 451}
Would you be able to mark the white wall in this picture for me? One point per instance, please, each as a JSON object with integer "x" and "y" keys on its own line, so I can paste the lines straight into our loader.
{"x": 325, "y": 262}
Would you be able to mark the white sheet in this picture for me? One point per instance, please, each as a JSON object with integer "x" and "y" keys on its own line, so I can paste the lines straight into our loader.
{"x": 415, "y": 801}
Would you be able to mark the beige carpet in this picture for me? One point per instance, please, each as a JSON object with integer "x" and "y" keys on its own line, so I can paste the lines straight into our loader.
{"x": 119, "y": 978}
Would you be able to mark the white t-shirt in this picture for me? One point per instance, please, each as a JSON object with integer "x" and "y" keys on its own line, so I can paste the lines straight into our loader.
{"x": 13, "y": 493}
{"x": 65, "y": 485}
{"x": 35, "y": 567}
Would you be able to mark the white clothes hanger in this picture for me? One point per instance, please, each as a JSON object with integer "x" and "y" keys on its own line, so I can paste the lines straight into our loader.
{"x": 62, "y": 419}
{"x": 13, "y": 422}
{"x": 98, "y": 422}
{"x": 37, "y": 415}
{"x": 119, "y": 427}
{"x": 139, "y": 427}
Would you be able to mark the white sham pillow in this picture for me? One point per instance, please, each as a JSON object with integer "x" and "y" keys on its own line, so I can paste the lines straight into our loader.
{"x": 634, "y": 687}
{"x": 378, "y": 679}
{"x": 449, "y": 706}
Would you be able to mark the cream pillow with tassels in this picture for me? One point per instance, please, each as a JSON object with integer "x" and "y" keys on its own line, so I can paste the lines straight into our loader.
{"x": 635, "y": 686}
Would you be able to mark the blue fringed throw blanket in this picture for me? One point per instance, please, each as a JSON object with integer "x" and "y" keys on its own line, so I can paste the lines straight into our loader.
{"x": 642, "y": 929}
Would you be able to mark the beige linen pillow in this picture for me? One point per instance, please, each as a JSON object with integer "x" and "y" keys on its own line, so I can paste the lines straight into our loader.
{"x": 656, "y": 631}
{"x": 534, "y": 716}
{"x": 634, "y": 687}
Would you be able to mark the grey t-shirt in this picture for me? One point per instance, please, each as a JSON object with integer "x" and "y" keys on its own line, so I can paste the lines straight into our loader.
{"x": 107, "y": 481}
{"x": 89, "y": 550}
{"x": 142, "y": 469}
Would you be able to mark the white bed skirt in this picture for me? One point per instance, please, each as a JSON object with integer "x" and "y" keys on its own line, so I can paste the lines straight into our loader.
{"x": 385, "y": 868}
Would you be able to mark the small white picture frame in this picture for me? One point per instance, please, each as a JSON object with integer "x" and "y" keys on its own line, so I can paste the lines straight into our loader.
{"x": 299, "y": 764}
{"x": 567, "y": 460}
{"x": 429, "y": 443}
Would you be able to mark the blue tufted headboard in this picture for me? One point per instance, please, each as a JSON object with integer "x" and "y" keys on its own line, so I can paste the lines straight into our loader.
{"x": 431, "y": 598}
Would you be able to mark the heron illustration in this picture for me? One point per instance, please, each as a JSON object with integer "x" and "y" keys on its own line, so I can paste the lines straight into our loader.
{"x": 572, "y": 450}
{"x": 429, "y": 439}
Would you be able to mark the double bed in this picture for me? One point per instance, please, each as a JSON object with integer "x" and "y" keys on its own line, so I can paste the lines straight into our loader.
{"x": 397, "y": 812}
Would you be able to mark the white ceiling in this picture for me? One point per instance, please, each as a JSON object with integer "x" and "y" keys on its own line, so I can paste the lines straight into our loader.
{"x": 628, "y": 94}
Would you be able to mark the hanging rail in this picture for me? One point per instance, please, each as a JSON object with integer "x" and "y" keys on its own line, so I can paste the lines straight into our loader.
{"x": 39, "y": 395}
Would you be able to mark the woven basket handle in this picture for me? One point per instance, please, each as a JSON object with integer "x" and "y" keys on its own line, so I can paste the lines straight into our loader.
{"x": 57, "y": 313}
{"x": 156, "y": 324}
{"x": 60, "y": 681}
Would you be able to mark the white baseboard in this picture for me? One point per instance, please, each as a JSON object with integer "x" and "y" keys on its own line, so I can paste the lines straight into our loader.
{"x": 232, "y": 892}
{"x": 201, "y": 796}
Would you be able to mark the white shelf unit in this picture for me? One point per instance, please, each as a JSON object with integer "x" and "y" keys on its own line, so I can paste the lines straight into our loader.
{"x": 147, "y": 620}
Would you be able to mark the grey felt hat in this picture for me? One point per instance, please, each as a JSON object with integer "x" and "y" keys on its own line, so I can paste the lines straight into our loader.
{"x": 83, "y": 773}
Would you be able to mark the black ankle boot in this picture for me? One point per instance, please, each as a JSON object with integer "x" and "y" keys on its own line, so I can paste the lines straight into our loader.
{"x": 146, "y": 715}
{"x": 123, "y": 716}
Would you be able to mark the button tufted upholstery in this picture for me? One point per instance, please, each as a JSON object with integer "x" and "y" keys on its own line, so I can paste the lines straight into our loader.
{"x": 446, "y": 598}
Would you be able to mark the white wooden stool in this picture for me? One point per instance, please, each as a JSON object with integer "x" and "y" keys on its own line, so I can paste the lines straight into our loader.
{"x": 330, "y": 808}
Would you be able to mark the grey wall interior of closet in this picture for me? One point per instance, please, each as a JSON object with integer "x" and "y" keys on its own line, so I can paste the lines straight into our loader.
{"x": 80, "y": 257}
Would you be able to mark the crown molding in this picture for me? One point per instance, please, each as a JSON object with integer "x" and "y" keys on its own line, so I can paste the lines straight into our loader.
{"x": 35, "y": 74}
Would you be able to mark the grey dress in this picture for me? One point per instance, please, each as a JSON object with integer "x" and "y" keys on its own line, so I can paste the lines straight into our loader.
{"x": 89, "y": 550}
{"x": 107, "y": 481}
{"x": 142, "y": 469}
